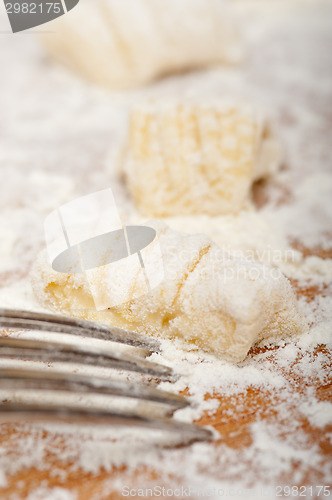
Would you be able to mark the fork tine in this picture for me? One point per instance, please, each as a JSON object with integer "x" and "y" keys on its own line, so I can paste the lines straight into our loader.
{"x": 11, "y": 318}
{"x": 53, "y": 380}
{"x": 76, "y": 352}
{"x": 65, "y": 413}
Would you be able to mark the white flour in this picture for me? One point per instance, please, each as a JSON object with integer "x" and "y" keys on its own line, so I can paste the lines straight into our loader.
{"x": 56, "y": 138}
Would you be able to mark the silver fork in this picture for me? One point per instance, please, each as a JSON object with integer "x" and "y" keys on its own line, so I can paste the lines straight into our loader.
{"x": 39, "y": 379}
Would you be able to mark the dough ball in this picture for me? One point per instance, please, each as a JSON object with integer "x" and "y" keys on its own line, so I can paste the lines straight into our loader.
{"x": 212, "y": 301}
{"x": 193, "y": 158}
{"x": 125, "y": 43}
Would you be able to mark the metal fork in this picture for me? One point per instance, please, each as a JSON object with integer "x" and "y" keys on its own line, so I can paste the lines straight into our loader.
{"x": 75, "y": 352}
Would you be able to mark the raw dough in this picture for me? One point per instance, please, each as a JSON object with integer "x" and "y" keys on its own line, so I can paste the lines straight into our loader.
{"x": 221, "y": 304}
{"x": 125, "y": 43}
{"x": 197, "y": 158}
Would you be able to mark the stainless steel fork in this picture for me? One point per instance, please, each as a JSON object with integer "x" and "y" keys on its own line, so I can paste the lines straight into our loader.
{"x": 39, "y": 379}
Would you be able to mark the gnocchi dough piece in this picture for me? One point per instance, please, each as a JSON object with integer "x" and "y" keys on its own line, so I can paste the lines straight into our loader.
{"x": 183, "y": 159}
{"x": 210, "y": 300}
{"x": 125, "y": 43}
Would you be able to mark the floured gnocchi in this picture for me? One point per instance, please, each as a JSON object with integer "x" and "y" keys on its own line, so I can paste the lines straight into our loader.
{"x": 195, "y": 158}
{"x": 122, "y": 44}
{"x": 220, "y": 304}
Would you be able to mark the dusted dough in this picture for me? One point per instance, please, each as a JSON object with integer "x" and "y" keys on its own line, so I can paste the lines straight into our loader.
{"x": 196, "y": 158}
{"x": 125, "y": 43}
{"x": 221, "y": 304}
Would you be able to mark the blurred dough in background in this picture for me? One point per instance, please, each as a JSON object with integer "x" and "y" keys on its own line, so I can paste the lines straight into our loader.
{"x": 195, "y": 158}
{"x": 124, "y": 43}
